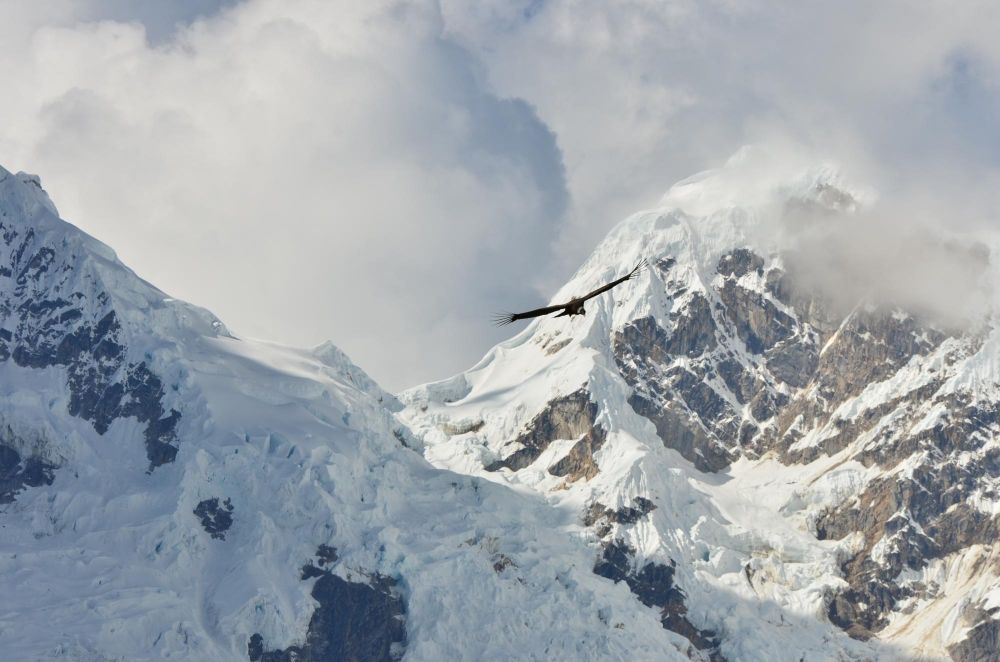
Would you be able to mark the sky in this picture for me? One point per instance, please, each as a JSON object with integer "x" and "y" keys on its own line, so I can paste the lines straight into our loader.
{"x": 387, "y": 174}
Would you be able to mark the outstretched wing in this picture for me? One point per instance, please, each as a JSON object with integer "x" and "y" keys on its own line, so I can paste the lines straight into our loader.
{"x": 605, "y": 288}
{"x": 507, "y": 318}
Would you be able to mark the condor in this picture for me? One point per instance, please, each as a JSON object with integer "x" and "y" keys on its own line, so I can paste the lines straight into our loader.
{"x": 573, "y": 307}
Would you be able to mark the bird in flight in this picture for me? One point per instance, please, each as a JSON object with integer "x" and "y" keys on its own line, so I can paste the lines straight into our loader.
{"x": 573, "y": 307}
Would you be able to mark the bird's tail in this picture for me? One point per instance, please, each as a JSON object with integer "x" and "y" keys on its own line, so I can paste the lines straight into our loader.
{"x": 503, "y": 319}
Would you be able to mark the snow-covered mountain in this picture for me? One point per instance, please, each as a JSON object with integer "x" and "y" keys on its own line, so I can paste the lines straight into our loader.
{"x": 168, "y": 490}
{"x": 723, "y": 459}
{"x": 784, "y": 476}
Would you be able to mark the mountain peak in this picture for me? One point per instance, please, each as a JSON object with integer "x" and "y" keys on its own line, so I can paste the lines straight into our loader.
{"x": 762, "y": 178}
{"x": 22, "y": 196}
{"x": 754, "y": 200}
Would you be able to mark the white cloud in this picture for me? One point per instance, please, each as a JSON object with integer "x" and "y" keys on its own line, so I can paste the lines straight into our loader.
{"x": 642, "y": 93}
{"x": 304, "y": 169}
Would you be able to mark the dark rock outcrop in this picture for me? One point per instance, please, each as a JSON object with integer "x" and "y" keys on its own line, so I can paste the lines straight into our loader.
{"x": 215, "y": 518}
{"x": 740, "y": 262}
{"x": 673, "y": 399}
{"x": 917, "y": 518}
{"x": 17, "y": 473}
{"x": 757, "y": 360}
{"x": 757, "y": 321}
{"x": 326, "y": 555}
{"x": 571, "y": 417}
{"x": 353, "y": 620}
{"x": 653, "y": 585}
{"x": 981, "y": 644}
{"x": 603, "y": 517}
{"x": 46, "y": 323}
{"x": 732, "y": 342}
{"x": 693, "y": 332}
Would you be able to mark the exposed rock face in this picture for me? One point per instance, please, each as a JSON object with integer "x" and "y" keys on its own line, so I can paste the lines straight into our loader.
{"x": 53, "y": 317}
{"x": 869, "y": 347}
{"x": 982, "y": 644}
{"x": 354, "y": 620}
{"x": 215, "y": 518}
{"x": 17, "y": 473}
{"x": 571, "y": 417}
{"x": 490, "y": 545}
{"x": 326, "y": 555}
{"x": 758, "y": 322}
{"x": 910, "y": 519}
{"x": 653, "y": 585}
{"x": 753, "y": 364}
{"x": 604, "y": 517}
{"x": 672, "y": 397}
{"x": 716, "y": 376}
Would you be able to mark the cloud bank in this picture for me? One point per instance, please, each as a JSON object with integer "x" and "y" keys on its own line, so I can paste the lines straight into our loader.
{"x": 304, "y": 169}
{"x": 904, "y": 96}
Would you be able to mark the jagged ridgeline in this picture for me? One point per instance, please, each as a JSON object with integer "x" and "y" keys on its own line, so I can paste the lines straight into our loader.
{"x": 786, "y": 466}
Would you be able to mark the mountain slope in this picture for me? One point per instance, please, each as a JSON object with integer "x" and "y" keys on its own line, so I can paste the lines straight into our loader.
{"x": 170, "y": 490}
{"x": 819, "y": 477}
